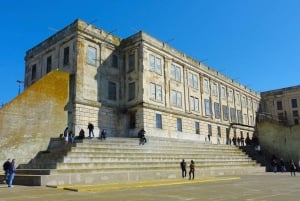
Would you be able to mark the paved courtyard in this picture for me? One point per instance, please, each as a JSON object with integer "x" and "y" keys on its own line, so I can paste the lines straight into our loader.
{"x": 262, "y": 187}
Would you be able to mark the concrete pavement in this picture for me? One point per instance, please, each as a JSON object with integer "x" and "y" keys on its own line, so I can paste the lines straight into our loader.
{"x": 262, "y": 187}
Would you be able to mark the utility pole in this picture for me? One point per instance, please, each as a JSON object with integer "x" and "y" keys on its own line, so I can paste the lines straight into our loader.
{"x": 19, "y": 83}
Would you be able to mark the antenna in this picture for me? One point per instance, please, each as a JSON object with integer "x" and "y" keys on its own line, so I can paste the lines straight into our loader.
{"x": 168, "y": 41}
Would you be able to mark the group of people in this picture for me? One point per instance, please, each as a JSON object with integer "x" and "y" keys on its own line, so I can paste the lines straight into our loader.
{"x": 279, "y": 165}
{"x": 9, "y": 168}
{"x": 192, "y": 169}
{"x": 69, "y": 136}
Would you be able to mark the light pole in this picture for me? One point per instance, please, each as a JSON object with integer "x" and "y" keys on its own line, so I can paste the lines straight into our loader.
{"x": 19, "y": 83}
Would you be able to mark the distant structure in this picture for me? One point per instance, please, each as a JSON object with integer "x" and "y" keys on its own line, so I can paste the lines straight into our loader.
{"x": 140, "y": 82}
{"x": 281, "y": 105}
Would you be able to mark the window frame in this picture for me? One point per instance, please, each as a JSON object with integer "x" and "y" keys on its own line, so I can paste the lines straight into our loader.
{"x": 91, "y": 55}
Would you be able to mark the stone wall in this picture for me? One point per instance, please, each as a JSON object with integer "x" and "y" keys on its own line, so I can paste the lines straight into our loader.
{"x": 280, "y": 140}
{"x": 29, "y": 121}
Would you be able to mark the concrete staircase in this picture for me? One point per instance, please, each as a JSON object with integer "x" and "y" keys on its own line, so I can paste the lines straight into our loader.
{"x": 123, "y": 159}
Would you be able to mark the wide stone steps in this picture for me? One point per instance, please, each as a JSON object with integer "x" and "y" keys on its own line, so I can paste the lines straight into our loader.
{"x": 118, "y": 159}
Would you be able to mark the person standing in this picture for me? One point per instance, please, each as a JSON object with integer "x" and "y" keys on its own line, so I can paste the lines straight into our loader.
{"x": 66, "y": 135}
{"x": 12, "y": 172}
{"x": 6, "y": 165}
{"x": 103, "y": 134}
{"x": 183, "y": 168}
{"x": 293, "y": 168}
{"x": 192, "y": 170}
{"x": 91, "y": 130}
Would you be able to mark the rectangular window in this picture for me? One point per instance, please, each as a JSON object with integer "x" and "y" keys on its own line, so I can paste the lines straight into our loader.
{"x": 207, "y": 107}
{"x": 132, "y": 120}
{"x": 230, "y": 95}
{"x": 215, "y": 90}
{"x": 217, "y": 110}
{"x": 131, "y": 93}
{"x": 49, "y": 64}
{"x": 239, "y": 116}
{"x": 131, "y": 63}
{"x": 206, "y": 86}
{"x": 295, "y": 113}
{"x": 176, "y": 98}
{"x": 112, "y": 91}
{"x": 155, "y": 64}
{"x": 225, "y": 112}
{"x": 194, "y": 104}
{"x": 179, "y": 124}
{"x": 223, "y": 93}
{"x": 158, "y": 121}
{"x": 237, "y": 99}
{"x": 33, "y": 72}
{"x": 193, "y": 80}
{"x": 279, "y": 105}
{"x": 115, "y": 63}
{"x": 197, "y": 127}
{"x": 155, "y": 92}
{"x": 66, "y": 56}
{"x": 294, "y": 103}
{"x": 91, "y": 55}
{"x": 175, "y": 73}
{"x": 233, "y": 114}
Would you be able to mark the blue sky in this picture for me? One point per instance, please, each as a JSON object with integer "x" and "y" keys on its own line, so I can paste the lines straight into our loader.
{"x": 255, "y": 42}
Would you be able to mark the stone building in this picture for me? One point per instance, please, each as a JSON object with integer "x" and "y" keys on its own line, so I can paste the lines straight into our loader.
{"x": 281, "y": 105}
{"x": 126, "y": 84}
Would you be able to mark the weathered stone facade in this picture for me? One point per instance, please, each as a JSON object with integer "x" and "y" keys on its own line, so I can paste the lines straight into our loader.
{"x": 126, "y": 84}
{"x": 281, "y": 105}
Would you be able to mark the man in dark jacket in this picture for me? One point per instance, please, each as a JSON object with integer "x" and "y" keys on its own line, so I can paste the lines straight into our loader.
{"x": 6, "y": 166}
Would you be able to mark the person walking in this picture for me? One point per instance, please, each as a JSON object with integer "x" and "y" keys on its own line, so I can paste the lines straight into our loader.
{"x": 6, "y": 165}
{"x": 12, "y": 172}
{"x": 183, "y": 168}
{"x": 91, "y": 130}
{"x": 192, "y": 170}
{"x": 142, "y": 137}
{"x": 293, "y": 168}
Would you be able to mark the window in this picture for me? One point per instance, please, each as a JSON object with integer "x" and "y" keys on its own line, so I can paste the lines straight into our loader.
{"x": 244, "y": 103}
{"x": 230, "y": 95}
{"x": 239, "y": 116}
{"x": 279, "y": 105}
{"x": 131, "y": 91}
{"x": 176, "y": 98}
{"x": 280, "y": 116}
{"x": 294, "y": 103}
{"x": 112, "y": 91}
{"x": 225, "y": 112}
{"x": 91, "y": 55}
{"x": 296, "y": 121}
{"x": 49, "y": 64}
{"x": 179, "y": 124}
{"x": 193, "y": 80}
{"x": 194, "y": 104}
{"x": 217, "y": 110}
{"x": 175, "y": 73}
{"x": 33, "y": 72}
{"x": 197, "y": 127}
{"x": 115, "y": 63}
{"x": 223, "y": 93}
{"x": 206, "y": 86}
{"x": 209, "y": 129}
{"x": 155, "y": 64}
{"x": 158, "y": 121}
{"x": 131, "y": 63}
{"x": 66, "y": 56}
{"x": 233, "y": 114}
{"x": 207, "y": 107}
{"x": 155, "y": 92}
{"x": 215, "y": 90}
{"x": 238, "y": 99}
{"x": 295, "y": 113}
